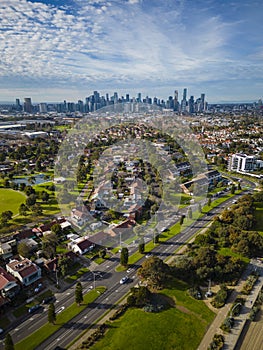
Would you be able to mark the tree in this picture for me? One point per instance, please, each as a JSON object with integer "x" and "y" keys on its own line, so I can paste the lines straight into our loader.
{"x": 78, "y": 294}
{"x": 31, "y": 200}
{"x": 37, "y": 209}
{"x": 63, "y": 265}
{"x": 182, "y": 219}
{"x": 22, "y": 209}
{"x": 6, "y": 183}
{"x": 102, "y": 253}
{"x": 124, "y": 256}
{"x": 139, "y": 297}
{"x": 190, "y": 213}
{"x": 23, "y": 250}
{"x": 199, "y": 208}
{"x": 141, "y": 246}
{"x": 22, "y": 186}
{"x": 233, "y": 189}
{"x": 49, "y": 244}
{"x": 32, "y": 180}
{"x": 29, "y": 190}
{"x": 155, "y": 272}
{"x": 56, "y": 229}
{"x": 9, "y": 344}
{"x": 6, "y": 216}
{"x": 44, "y": 196}
{"x": 51, "y": 313}
{"x": 209, "y": 201}
{"x": 156, "y": 237}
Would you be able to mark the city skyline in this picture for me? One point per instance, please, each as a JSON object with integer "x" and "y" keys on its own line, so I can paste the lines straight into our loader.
{"x": 54, "y": 50}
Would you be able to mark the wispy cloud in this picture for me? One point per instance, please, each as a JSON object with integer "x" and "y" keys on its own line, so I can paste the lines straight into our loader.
{"x": 133, "y": 43}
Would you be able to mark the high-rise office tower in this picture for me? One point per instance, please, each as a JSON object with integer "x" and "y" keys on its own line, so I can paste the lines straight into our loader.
{"x": 185, "y": 94}
{"x": 176, "y": 102}
{"x": 191, "y": 105}
{"x": 28, "y": 108}
{"x": 43, "y": 107}
{"x": 18, "y": 105}
{"x": 115, "y": 97}
{"x": 202, "y": 106}
{"x": 184, "y": 101}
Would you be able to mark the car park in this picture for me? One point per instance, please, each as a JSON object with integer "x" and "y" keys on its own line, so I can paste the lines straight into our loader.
{"x": 124, "y": 280}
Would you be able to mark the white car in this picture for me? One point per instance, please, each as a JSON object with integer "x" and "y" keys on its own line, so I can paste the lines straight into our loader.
{"x": 124, "y": 280}
{"x": 1, "y": 330}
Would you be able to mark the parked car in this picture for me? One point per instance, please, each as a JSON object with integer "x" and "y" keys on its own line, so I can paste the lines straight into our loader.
{"x": 124, "y": 280}
{"x": 34, "y": 308}
{"x": 1, "y": 331}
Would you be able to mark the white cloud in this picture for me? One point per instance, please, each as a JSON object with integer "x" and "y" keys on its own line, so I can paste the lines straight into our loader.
{"x": 98, "y": 42}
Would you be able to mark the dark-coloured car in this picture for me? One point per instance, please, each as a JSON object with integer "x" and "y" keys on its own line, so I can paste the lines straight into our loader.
{"x": 34, "y": 308}
{"x": 47, "y": 300}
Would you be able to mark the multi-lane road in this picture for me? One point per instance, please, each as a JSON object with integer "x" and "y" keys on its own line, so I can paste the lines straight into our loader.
{"x": 115, "y": 291}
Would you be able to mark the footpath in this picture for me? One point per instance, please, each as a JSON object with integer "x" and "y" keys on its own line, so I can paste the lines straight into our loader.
{"x": 232, "y": 337}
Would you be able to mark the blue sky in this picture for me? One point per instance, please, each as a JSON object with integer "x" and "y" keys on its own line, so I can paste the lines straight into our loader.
{"x": 53, "y": 50}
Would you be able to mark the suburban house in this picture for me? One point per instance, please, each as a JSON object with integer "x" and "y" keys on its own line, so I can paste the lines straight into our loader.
{"x": 79, "y": 216}
{"x": 25, "y": 271}
{"x": 8, "y": 284}
{"x": 6, "y": 249}
{"x": 81, "y": 245}
{"x": 206, "y": 180}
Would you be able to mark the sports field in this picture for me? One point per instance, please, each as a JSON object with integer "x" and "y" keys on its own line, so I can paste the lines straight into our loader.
{"x": 11, "y": 200}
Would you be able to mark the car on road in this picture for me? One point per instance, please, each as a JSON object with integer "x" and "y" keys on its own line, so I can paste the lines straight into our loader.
{"x": 124, "y": 280}
{"x": 47, "y": 300}
{"x": 1, "y": 331}
{"x": 34, "y": 308}
{"x": 148, "y": 256}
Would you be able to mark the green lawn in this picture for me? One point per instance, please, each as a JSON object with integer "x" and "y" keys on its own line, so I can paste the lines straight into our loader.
{"x": 11, "y": 200}
{"x": 229, "y": 252}
{"x": 181, "y": 327}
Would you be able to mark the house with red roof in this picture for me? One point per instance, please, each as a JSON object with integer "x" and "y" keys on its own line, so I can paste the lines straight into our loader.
{"x": 8, "y": 284}
{"x": 24, "y": 270}
{"x": 81, "y": 245}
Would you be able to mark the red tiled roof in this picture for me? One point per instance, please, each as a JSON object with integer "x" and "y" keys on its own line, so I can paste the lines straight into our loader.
{"x": 5, "y": 277}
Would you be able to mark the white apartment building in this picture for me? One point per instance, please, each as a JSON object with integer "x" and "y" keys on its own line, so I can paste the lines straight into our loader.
{"x": 243, "y": 163}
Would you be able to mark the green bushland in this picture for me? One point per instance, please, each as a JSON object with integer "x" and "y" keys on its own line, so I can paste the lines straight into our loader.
{"x": 179, "y": 327}
{"x": 39, "y": 336}
{"x": 259, "y": 217}
{"x": 11, "y": 200}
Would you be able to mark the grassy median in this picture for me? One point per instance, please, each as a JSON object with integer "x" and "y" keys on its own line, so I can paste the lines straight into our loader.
{"x": 36, "y": 338}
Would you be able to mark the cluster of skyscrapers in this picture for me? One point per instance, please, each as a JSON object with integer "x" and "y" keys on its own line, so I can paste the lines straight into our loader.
{"x": 97, "y": 101}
